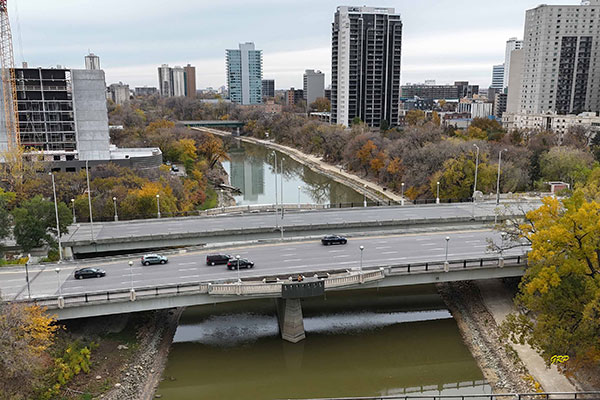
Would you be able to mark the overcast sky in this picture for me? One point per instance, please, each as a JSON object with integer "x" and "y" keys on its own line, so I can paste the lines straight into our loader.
{"x": 445, "y": 40}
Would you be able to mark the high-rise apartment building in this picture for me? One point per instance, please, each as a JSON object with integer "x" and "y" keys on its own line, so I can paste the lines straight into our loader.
{"x": 244, "y": 74}
{"x": 178, "y": 77}
{"x": 314, "y": 85}
{"x": 498, "y": 77}
{"x": 365, "y": 65}
{"x": 189, "y": 75}
{"x": 165, "y": 80}
{"x": 512, "y": 44}
{"x": 92, "y": 61}
{"x": 268, "y": 87}
{"x": 119, "y": 92}
{"x": 561, "y": 65}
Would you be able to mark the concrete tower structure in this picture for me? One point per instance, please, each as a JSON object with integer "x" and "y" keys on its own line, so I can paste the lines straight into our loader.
{"x": 92, "y": 61}
{"x": 178, "y": 81}
{"x": 365, "y": 65}
{"x": 190, "y": 80}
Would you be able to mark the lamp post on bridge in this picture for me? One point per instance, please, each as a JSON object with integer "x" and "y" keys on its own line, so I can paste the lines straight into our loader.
{"x": 27, "y": 276}
{"x": 299, "y": 188}
{"x": 498, "y": 182}
{"x": 437, "y": 198}
{"x": 402, "y": 195}
{"x": 276, "y": 210}
{"x": 446, "y": 264}
{"x": 475, "y": 183}
{"x": 73, "y": 207}
{"x": 115, "y": 204}
{"x": 282, "y": 203}
{"x": 365, "y": 195}
{"x": 158, "y": 206}
{"x": 60, "y": 253}
{"x": 132, "y": 290}
{"x": 361, "y": 257}
{"x": 237, "y": 257}
{"x": 57, "y": 270}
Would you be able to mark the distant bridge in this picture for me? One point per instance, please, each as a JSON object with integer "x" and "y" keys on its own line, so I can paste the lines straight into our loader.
{"x": 212, "y": 124}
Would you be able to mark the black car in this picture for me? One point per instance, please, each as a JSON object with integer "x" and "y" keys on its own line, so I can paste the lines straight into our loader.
{"x": 154, "y": 259}
{"x": 243, "y": 263}
{"x": 89, "y": 273}
{"x": 333, "y": 239}
{"x": 214, "y": 259}
{"x": 174, "y": 168}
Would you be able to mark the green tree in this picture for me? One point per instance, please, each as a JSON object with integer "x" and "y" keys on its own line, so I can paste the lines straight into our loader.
{"x": 35, "y": 223}
{"x": 322, "y": 104}
{"x": 561, "y": 286}
{"x": 457, "y": 177}
{"x": 566, "y": 164}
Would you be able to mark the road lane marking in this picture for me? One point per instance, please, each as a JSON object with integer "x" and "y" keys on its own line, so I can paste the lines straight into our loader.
{"x": 383, "y": 247}
{"x": 389, "y": 252}
{"x": 342, "y": 256}
{"x": 293, "y": 259}
{"x": 186, "y": 269}
{"x": 429, "y": 244}
{"x": 188, "y": 263}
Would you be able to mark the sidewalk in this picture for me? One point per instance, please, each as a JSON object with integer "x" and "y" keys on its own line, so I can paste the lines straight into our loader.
{"x": 498, "y": 301}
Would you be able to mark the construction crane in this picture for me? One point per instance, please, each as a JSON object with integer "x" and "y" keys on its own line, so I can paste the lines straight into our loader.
{"x": 9, "y": 83}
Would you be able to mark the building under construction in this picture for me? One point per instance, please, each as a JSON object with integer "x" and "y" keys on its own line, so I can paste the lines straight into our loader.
{"x": 63, "y": 116}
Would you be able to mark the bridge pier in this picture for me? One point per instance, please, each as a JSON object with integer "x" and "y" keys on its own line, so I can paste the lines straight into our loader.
{"x": 291, "y": 322}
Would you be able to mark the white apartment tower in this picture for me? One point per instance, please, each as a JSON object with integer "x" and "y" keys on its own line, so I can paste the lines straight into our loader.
{"x": 314, "y": 85}
{"x": 512, "y": 44}
{"x": 244, "y": 74}
{"x": 165, "y": 81}
{"x": 561, "y": 68}
{"x": 178, "y": 81}
{"x": 92, "y": 61}
{"x": 366, "y": 48}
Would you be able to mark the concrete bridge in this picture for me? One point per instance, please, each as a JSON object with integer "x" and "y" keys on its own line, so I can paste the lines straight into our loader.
{"x": 218, "y": 124}
{"x": 140, "y": 235}
{"x": 287, "y": 290}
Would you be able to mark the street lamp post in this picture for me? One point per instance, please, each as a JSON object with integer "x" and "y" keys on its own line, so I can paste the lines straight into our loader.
{"x": 276, "y": 209}
{"x": 57, "y": 270}
{"x": 60, "y": 254}
{"x": 299, "y": 187}
{"x": 115, "y": 203}
{"x": 237, "y": 257}
{"x": 361, "y": 256}
{"x": 437, "y": 198}
{"x": 446, "y": 264}
{"x": 365, "y": 195}
{"x": 87, "y": 176}
{"x": 282, "y": 203}
{"x": 158, "y": 205}
{"x": 27, "y": 276}
{"x": 132, "y": 290}
{"x": 402, "y": 196}
{"x": 498, "y": 182}
{"x": 501, "y": 260}
{"x": 475, "y": 183}
{"x": 73, "y": 207}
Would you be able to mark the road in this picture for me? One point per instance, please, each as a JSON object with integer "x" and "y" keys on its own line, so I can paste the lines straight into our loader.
{"x": 270, "y": 259}
{"x": 127, "y": 229}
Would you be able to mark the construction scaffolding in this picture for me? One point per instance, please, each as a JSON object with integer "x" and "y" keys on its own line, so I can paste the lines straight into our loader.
{"x": 9, "y": 95}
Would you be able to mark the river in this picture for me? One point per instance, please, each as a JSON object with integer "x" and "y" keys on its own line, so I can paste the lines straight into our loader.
{"x": 252, "y": 169}
{"x": 366, "y": 343}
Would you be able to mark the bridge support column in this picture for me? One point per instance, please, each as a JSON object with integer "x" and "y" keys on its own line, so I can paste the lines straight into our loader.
{"x": 291, "y": 323}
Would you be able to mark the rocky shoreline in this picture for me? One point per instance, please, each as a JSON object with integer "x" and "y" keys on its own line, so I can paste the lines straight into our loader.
{"x": 140, "y": 378}
{"x": 500, "y": 365}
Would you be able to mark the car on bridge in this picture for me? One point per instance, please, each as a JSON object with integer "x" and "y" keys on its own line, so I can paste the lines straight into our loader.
{"x": 214, "y": 259}
{"x": 242, "y": 263}
{"x": 154, "y": 259}
{"x": 333, "y": 239}
{"x": 89, "y": 273}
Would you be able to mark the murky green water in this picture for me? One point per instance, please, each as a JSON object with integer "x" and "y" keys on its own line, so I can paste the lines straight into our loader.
{"x": 364, "y": 343}
{"x": 252, "y": 169}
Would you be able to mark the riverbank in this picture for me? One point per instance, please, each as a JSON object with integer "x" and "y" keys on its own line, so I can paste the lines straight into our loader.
{"x": 374, "y": 191}
{"x": 479, "y": 308}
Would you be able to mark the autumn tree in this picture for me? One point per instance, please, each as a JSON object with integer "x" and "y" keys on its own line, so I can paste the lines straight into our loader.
{"x": 26, "y": 332}
{"x": 35, "y": 223}
{"x": 561, "y": 287}
{"x": 457, "y": 177}
{"x": 415, "y": 117}
{"x": 211, "y": 148}
{"x": 321, "y": 104}
{"x": 366, "y": 154}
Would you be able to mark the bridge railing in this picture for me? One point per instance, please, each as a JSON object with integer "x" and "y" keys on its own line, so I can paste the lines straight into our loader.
{"x": 594, "y": 395}
{"x": 271, "y": 286}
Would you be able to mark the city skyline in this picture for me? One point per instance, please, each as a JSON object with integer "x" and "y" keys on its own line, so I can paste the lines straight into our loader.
{"x": 131, "y": 47}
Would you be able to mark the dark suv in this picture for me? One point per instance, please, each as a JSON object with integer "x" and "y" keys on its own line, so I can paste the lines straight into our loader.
{"x": 214, "y": 259}
{"x": 154, "y": 259}
{"x": 89, "y": 273}
{"x": 243, "y": 263}
{"x": 333, "y": 239}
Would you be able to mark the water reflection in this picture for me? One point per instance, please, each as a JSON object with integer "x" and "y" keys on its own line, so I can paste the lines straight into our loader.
{"x": 369, "y": 343}
{"x": 252, "y": 169}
